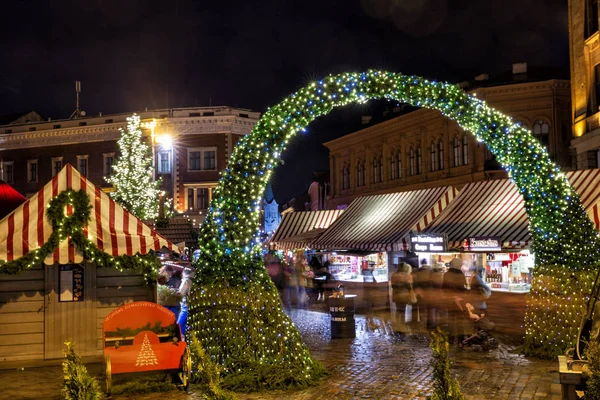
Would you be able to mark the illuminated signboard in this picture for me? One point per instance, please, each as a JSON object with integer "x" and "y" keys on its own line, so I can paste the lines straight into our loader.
{"x": 431, "y": 243}
{"x": 486, "y": 244}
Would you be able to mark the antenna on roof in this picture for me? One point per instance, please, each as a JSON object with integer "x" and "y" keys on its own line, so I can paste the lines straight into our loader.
{"x": 77, "y": 113}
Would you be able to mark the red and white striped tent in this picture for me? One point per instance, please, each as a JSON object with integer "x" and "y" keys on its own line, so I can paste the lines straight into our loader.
{"x": 382, "y": 222}
{"x": 111, "y": 228}
{"x": 496, "y": 208}
{"x": 298, "y": 229}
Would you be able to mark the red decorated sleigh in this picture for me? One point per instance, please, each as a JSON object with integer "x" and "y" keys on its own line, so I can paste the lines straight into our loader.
{"x": 144, "y": 336}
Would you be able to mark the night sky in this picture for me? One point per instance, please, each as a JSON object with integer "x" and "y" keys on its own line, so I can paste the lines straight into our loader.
{"x": 132, "y": 54}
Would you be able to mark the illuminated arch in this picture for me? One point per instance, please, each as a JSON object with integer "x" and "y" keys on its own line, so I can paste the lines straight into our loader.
{"x": 235, "y": 287}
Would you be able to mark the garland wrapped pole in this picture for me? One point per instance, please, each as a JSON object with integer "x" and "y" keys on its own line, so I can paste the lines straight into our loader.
{"x": 235, "y": 309}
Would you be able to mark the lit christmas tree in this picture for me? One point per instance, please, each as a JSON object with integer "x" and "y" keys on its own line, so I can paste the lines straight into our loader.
{"x": 235, "y": 308}
{"x": 146, "y": 356}
{"x": 132, "y": 174}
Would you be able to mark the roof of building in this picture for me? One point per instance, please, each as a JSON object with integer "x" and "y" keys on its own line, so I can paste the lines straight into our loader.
{"x": 12, "y": 118}
{"x": 180, "y": 230}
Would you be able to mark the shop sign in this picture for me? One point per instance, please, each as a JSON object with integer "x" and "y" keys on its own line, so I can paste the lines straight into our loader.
{"x": 482, "y": 243}
{"x": 430, "y": 243}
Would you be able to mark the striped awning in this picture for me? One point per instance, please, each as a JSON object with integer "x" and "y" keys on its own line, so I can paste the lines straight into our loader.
{"x": 382, "y": 222}
{"x": 298, "y": 229}
{"x": 486, "y": 208}
{"x": 111, "y": 228}
{"x": 496, "y": 208}
{"x": 587, "y": 183}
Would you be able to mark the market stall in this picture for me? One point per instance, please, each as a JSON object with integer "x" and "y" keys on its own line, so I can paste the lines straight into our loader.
{"x": 365, "y": 242}
{"x": 51, "y": 288}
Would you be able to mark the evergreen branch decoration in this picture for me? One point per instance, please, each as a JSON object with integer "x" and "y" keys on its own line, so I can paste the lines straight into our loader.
{"x": 65, "y": 226}
{"x": 565, "y": 241}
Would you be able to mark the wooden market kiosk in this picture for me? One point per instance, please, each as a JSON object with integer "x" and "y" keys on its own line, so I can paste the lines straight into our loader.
{"x": 63, "y": 293}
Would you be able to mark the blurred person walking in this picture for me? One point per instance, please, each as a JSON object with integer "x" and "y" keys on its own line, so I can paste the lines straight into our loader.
{"x": 453, "y": 286}
{"x": 402, "y": 292}
{"x": 480, "y": 291}
{"x": 423, "y": 287}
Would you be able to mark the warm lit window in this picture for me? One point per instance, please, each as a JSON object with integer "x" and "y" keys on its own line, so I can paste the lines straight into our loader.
{"x": 465, "y": 149}
{"x": 82, "y": 165}
{"x": 541, "y": 131}
{"x": 32, "y": 171}
{"x": 56, "y": 165}
{"x": 456, "y": 152}
{"x": 441, "y": 154}
{"x": 202, "y": 159}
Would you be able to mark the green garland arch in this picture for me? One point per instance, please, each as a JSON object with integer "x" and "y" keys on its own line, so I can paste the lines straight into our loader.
{"x": 64, "y": 226}
{"x": 236, "y": 294}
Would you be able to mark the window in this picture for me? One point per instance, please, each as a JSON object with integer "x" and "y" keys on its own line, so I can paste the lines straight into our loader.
{"x": 345, "y": 177}
{"x": 8, "y": 172}
{"x": 8, "y": 131}
{"x": 243, "y": 115}
{"x": 210, "y": 160}
{"x": 56, "y": 165}
{"x": 591, "y": 18}
{"x": 441, "y": 155}
{"x": 164, "y": 162}
{"x": 108, "y": 121}
{"x": 82, "y": 165}
{"x": 82, "y": 123}
{"x": 32, "y": 129}
{"x": 198, "y": 198}
{"x": 465, "y": 149}
{"x": 413, "y": 169}
{"x": 433, "y": 156}
{"x": 194, "y": 114}
{"x": 540, "y": 131}
{"x": 361, "y": 170}
{"x": 399, "y": 163}
{"x": 56, "y": 126}
{"x": 32, "y": 171}
{"x": 375, "y": 170}
{"x": 202, "y": 198}
{"x": 393, "y": 169}
{"x": 107, "y": 161}
{"x": 208, "y": 113}
{"x": 202, "y": 159}
{"x": 380, "y": 168}
{"x": 419, "y": 161}
{"x": 456, "y": 152}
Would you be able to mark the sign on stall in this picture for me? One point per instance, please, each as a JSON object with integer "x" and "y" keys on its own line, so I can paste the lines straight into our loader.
{"x": 483, "y": 244}
{"x": 430, "y": 243}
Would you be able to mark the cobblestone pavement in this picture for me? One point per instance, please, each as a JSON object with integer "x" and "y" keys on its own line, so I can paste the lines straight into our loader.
{"x": 377, "y": 364}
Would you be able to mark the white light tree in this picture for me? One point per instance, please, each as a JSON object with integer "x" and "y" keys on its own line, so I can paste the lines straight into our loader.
{"x": 132, "y": 177}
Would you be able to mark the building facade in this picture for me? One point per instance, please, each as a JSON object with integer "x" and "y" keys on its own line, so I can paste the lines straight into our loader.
{"x": 423, "y": 149}
{"x": 584, "y": 45}
{"x": 190, "y": 146}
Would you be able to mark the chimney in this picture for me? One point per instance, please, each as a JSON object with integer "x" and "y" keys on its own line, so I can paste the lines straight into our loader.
{"x": 519, "y": 68}
{"x": 482, "y": 77}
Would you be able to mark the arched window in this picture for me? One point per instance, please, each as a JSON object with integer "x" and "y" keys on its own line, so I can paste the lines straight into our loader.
{"x": 345, "y": 177}
{"x": 433, "y": 157}
{"x": 413, "y": 168}
{"x": 419, "y": 161}
{"x": 465, "y": 149}
{"x": 456, "y": 152}
{"x": 441, "y": 154}
{"x": 399, "y": 163}
{"x": 375, "y": 170}
{"x": 541, "y": 131}
{"x": 393, "y": 167}
{"x": 380, "y": 168}
{"x": 359, "y": 174}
